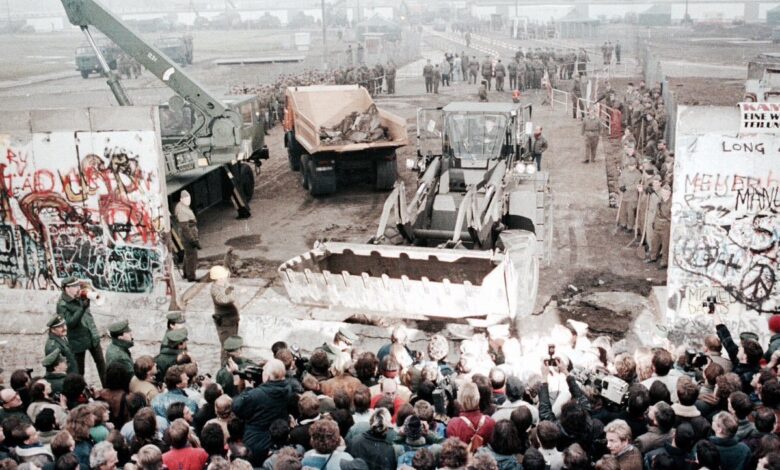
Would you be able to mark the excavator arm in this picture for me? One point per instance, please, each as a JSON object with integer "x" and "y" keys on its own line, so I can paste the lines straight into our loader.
{"x": 219, "y": 138}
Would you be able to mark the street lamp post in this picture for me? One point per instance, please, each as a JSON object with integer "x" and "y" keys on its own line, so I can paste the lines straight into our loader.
{"x": 324, "y": 38}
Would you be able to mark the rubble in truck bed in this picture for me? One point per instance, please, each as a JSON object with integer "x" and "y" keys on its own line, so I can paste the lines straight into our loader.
{"x": 356, "y": 128}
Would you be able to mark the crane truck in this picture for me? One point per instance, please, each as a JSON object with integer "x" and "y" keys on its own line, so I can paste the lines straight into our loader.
{"x": 468, "y": 244}
{"x": 208, "y": 142}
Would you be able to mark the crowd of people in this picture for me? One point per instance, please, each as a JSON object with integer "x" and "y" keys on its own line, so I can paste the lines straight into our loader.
{"x": 377, "y": 79}
{"x": 494, "y": 402}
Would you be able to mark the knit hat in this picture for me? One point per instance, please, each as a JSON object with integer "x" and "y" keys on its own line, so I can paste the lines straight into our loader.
{"x": 774, "y": 323}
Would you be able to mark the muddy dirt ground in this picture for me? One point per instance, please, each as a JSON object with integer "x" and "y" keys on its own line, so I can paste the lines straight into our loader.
{"x": 587, "y": 254}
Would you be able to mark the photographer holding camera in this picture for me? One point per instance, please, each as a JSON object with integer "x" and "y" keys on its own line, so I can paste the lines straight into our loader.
{"x": 83, "y": 336}
{"x": 262, "y": 405}
{"x": 746, "y": 357}
{"x": 228, "y": 376}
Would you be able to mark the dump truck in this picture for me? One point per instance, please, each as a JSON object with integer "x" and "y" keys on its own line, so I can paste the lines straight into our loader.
{"x": 335, "y": 134}
{"x": 467, "y": 246}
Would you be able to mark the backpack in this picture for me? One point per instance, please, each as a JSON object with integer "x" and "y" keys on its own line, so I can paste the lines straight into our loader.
{"x": 476, "y": 440}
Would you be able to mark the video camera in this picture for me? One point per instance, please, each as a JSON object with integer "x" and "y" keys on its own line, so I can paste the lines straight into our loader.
{"x": 694, "y": 360}
{"x": 443, "y": 395}
{"x": 612, "y": 388}
{"x": 252, "y": 374}
{"x": 551, "y": 360}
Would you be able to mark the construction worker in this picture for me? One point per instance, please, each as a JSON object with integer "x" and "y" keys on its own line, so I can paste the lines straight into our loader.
{"x": 591, "y": 129}
{"x": 428, "y": 74}
{"x": 659, "y": 246}
{"x": 226, "y": 316}
{"x": 538, "y": 146}
{"x": 188, "y": 228}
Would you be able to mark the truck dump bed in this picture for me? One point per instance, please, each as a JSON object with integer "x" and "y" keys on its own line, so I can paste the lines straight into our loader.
{"x": 320, "y": 106}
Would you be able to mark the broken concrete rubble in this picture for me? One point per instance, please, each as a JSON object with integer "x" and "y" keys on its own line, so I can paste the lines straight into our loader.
{"x": 356, "y": 128}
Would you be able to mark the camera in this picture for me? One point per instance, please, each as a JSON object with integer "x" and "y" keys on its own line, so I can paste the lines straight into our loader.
{"x": 710, "y": 303}
{"x": 301, "y": 363}
{"x": 694, "y": 360}
{"x": 612, "y": 388}
{"x": 253, "y": 374}
{"x": 551, "y": 360}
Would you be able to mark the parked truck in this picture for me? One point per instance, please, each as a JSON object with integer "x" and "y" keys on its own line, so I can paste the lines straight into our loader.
{"x": 178, "y": 48}
{"x": 87, "y": 61}
{"x": 325, "y": 163}
{"x": 468, "y": 244}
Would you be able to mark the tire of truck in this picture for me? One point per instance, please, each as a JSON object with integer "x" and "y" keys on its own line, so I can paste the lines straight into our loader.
{"x": 84, "y": 74}
{"x": 246, "y": 181}
{"x": 386, "y": 174}
{"x": 321, "y": 183}
{"x": 304, "y": 167}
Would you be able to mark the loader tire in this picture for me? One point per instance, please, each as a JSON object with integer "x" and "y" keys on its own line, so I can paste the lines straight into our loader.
{"x": 246, "y": 181}
{"x": 386, "y": 174}
{"x": 321, "y": 183}
{"x": 84, "y": 74}
{"x": 294, "y": 152}
{"x": 305, "y": 171}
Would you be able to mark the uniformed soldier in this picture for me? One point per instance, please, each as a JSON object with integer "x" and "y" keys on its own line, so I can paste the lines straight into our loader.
{"x": 473, "y": 70}
{"x": 225, "y": 315}
{"x": 576, "y": 103}
{"x": 341, "y": 346}
{"x": 629, "y": 184}
{"x": 226, "y": 377}
{"x": 428, "y": 75}
{"x": 121, "y": 342}
{"x": 591, "y": 129}
{"x": 487, "y": 71}
{"x": 511, "y": 69}
{"x": 500, "y": 74}
{"x": 176, "y": 343}
{"x": 188, "y": 228}
{"x": 348, "y": 55}
{"x": 390, "y": 72}
{"x": 58, "y": 341}
{"x": 56, "y": 365}
{"x": 436, "y": 78}
{"x": 73, "y": 306}
{"x": 659, "y": 246}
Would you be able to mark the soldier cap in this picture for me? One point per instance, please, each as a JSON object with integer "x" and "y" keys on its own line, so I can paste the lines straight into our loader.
{"x": 746, "y": 335}
{"x": 52, "y": 359}
{"x": 348, "y": 335}
{"x": 176, "y": 337}
{"x": 175, "y": 317}
{"x": 233, "y": 343}
{"x": 70, "y": 281}
{"x": 55, "y": 321}
{"x": 119, "y": 327}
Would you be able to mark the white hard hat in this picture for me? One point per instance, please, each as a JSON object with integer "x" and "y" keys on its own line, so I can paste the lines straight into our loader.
{"x": 218, "y": 272}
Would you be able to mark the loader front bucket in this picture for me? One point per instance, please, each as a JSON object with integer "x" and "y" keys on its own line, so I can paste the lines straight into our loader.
{"x": 405, "y": 281}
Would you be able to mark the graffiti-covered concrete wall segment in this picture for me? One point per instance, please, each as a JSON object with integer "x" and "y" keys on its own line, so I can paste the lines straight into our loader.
{"x": 82, "y": 193}
{"x": 725, "y": 221}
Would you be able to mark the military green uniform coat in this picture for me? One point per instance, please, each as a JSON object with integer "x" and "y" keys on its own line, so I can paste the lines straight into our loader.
{"x": 119, "y": 351}
{"x": 55, "y": 379}
{"x": 82, "y": 332}
{"x": 55, "y": 342}
{"x": 165, "y": 360}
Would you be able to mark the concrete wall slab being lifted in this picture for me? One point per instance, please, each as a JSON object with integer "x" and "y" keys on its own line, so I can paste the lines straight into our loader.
{"x": 82, "y": 193}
